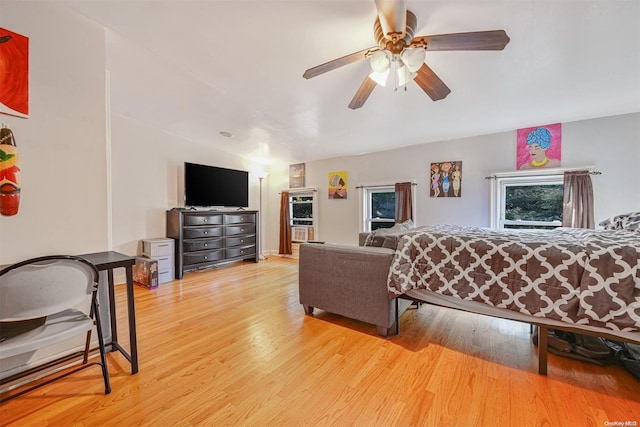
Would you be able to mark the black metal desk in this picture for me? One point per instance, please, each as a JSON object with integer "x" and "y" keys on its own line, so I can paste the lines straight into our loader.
{"x": 107, "y": 261}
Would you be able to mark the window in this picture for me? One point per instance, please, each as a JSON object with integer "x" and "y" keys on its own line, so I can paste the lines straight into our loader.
{"x": 532, "y": 201}
{"x": 303, "y": 211}
{"x": 379, "y": 207}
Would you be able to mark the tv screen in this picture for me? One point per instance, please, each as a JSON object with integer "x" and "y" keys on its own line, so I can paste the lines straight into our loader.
{"x": 209, "y": 186}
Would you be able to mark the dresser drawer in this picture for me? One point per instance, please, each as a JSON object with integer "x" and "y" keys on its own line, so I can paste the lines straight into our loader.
{"x": 240, "y": 241}
{"x": 199, "y": 232}
{"x": 154, "y": 248}
{"x": 239, "y": 219}
{"x": 215, "y": 219}
{"x": 203, "y": 256}
{"x": 241, "y": 251}
{"x": 202, "y": 244}
{"x": 239, "y": 229}
{"x": 165, "y": 276}
{"x": 164, "y": 263}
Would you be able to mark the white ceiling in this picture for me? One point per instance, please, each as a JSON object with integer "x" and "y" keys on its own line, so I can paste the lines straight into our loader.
{"x": 196, "y": 68}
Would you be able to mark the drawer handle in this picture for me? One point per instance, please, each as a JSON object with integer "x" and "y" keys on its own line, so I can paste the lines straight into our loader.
{"x": 205, "y": 220}
{"x": 206, "y": 232}
{"x": 206, "y": 258}
{"x": 205, "y": 245}
{"x": 241, "y": 240}
{"x": 242, "y": 229}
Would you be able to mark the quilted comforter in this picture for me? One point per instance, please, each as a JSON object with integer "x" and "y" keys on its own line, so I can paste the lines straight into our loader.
{"x": 578, "y": 276}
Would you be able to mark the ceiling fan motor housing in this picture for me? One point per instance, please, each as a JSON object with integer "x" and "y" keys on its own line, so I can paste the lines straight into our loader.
{"x": 395, "y": 46}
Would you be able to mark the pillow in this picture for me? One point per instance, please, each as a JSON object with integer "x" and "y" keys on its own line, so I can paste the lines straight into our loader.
{"x": 391, "y": 240}
{"x": 377, "y": 237}
{"x": 408, "y": 224}
{"x": 629, "y": 221}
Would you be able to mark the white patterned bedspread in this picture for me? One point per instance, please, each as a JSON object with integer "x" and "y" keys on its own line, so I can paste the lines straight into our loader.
{"x": 578, "y": 276}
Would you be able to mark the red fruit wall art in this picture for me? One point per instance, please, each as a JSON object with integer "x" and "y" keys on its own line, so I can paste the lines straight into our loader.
{"x": 14, "y": 73}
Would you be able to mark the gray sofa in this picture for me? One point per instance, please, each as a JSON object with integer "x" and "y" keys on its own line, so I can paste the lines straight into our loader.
{"x": 350, "y": 281}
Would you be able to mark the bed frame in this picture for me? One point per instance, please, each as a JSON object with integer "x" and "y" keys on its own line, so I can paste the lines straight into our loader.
{"x": 543, "y": 324}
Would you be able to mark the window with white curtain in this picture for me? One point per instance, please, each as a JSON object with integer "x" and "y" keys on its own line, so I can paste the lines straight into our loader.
{"x": 527, "y": 201}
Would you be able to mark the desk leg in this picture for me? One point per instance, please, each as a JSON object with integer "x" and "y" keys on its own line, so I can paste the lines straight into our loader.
{"x": 112, "y": 310}
{"x": 133, "y": 340}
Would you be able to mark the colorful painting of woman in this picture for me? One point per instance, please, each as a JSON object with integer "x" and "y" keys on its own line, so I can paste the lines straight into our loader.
{"x": 539, "y": 147}
{"x": 456, "y": 175}
{"x": 435, "y": 177}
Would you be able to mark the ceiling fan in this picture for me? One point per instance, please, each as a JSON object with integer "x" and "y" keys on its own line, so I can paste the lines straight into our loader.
{"x": 399, "y": 50}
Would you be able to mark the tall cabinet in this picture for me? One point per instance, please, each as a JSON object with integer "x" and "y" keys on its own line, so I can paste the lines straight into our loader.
{"x": 204, "y": 238}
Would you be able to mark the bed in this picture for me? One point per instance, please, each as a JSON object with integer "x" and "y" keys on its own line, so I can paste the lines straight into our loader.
{"x": 578, "y": 280}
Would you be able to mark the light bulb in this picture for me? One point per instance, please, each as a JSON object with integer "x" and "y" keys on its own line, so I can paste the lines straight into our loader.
{"x": 380, "y": 78}
{"x": 413, "y": 58}
{"x": 404, "y": 75}
{"x": 380, "y": 61}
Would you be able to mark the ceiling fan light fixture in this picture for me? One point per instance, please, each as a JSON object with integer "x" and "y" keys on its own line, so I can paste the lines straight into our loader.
{"x": 413, "y": 58}
{"x": 380, "y": 78}
{"x": 404, "y": 75}
{"x": 380, "y": 61}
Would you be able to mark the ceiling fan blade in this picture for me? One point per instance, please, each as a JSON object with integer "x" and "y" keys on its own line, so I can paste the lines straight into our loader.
{"x": 340, "y": 62}
{"x": 431, "y": 83}
{"x": 478, "y": 40}
{"x": 393, "y": 18}
{"x": 363, "y": 93}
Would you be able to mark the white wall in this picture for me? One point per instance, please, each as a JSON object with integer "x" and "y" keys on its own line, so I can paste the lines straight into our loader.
{"x": 147, "y": 179}
{"x": 63, "y": 206}
{"x": 64, "y": 149}
{"x": 611, "y": 144}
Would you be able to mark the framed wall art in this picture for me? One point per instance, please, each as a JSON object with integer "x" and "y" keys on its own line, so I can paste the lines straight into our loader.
{"x": 296, "y": 175}
{"x": 539, "y": 147}
{"x": 338, "y": 185}
{"x": 14, "y": 73}
{"x": 445, "y": 179}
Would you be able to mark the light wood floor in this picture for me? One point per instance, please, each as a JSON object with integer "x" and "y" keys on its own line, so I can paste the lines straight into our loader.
{"x": 232, "y": 346}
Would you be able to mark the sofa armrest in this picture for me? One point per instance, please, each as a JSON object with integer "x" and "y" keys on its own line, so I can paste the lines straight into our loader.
{"x": 347, "y": 280}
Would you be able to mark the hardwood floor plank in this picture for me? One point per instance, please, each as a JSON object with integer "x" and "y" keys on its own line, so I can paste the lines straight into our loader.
{"x": 232, "y": 346}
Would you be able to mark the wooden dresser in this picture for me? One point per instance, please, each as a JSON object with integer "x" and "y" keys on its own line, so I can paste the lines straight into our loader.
{"x": 204, "y": 238}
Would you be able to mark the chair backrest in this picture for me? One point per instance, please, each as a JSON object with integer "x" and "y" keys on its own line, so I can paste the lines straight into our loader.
{"x": 46, "y": 285}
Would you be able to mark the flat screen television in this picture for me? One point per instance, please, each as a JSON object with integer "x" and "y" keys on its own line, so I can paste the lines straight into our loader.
{"x": 211, "y": 186}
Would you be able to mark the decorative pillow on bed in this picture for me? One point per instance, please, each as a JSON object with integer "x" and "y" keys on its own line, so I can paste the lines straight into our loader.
{"x": 629, "y": 221}
{"x": 388, "y": 237}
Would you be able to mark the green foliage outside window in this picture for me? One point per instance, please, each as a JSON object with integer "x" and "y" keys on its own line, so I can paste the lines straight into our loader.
{"x": 383, "y": 205}
{"x": 534, "y": 203}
